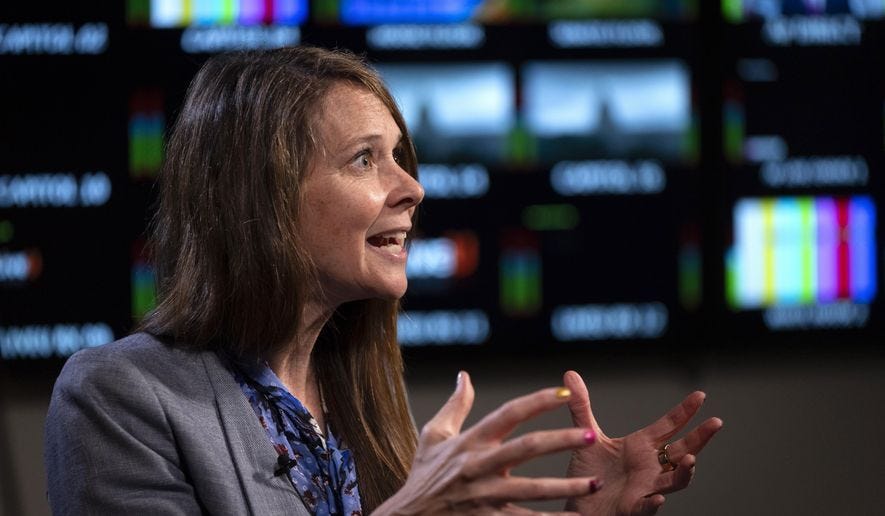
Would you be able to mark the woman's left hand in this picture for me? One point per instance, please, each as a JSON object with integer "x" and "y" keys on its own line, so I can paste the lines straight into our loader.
{"x": 635, "y": 481}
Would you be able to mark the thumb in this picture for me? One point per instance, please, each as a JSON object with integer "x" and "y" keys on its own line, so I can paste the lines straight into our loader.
{"x": 579, "y": 402}
{"x": 648, "y": 505}
{"x": 448, "y": 421}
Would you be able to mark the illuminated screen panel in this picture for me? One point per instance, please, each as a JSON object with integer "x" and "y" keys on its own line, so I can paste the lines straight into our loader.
{"x": 168, "y": 14}
{"x": 147, "y": 123}
{"x": 456, "y": 112}
{"x": 569, "y": 110}
{"x": 635, "y": 109}
{"x": 737, "y": 11}
{"x": 563, "y": 9}
{"x": 370, "y": 12}
{"x": 803, "y": 250}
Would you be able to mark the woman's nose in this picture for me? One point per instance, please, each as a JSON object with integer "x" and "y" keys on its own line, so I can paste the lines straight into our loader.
{"x": 407, "y": 191}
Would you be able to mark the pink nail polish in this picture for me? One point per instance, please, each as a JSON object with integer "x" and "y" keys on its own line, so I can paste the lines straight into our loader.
{"x": 595, "y": 485}
{"x": 589, "y": 437}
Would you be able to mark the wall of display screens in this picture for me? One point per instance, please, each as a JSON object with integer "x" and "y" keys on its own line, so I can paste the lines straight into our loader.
{"x": 803, "y": 147}
{"x": 669, "y": 171}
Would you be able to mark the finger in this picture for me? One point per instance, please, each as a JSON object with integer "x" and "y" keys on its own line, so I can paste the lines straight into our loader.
{"x": 516, "y": 509}
{"x": 677, "y": 479}
{"x": 696, "y": 440}
{"x": 648, "y": 505}
{"x": 511, "y": 509}
{"x": 506, "y": 489}
{"x": 448, "y": 421}
{"x": 529, "y": 446}
{"x": 579, "y": 402}
{"x": 499, "y": 423}
{"x": 674, "y": 420}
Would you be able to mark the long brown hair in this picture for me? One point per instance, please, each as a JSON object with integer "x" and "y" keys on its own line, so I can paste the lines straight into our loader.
{"x": 230, "y": 271}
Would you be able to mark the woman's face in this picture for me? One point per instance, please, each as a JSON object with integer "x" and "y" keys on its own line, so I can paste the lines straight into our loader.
{"x": 358, "y": 201}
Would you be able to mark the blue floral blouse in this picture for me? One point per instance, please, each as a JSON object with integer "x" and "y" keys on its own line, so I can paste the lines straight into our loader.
{"x": 321, "y": 470}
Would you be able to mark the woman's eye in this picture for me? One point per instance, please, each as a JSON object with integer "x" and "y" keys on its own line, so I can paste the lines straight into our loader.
{"x": 398, "y": 156}
{"x": 363, "y": 159}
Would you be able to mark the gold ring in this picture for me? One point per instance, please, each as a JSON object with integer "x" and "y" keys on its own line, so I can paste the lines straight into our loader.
{"x": 664, "y": 458}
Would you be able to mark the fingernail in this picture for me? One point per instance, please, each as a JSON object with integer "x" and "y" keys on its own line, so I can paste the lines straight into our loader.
{"x": 589, "y": 437}
{"x": 459, "y": 378}
{"x": 595, "y": 485}
{"x": 563, "y": 393}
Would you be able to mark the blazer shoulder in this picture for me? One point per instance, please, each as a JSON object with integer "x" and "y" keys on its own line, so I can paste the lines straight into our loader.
{"x": 113, "y": 429}
{"x": 139, "y": 354}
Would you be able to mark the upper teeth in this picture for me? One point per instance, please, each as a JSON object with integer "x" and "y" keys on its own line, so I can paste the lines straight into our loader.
{"x": 400, "y": 236}
{"x": 392, "y": 240}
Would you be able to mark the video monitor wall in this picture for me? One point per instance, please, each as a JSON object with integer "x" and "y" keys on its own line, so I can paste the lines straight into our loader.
{"x": 642, "y": 173}
{"x": 802, "y": 114}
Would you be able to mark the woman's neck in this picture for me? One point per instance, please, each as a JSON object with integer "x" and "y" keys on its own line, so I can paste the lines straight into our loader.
{"x": 293, "y": 365}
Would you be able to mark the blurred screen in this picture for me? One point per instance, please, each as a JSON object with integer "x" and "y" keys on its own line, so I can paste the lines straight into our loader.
{"x": 627, "y": 109}
{"x": 166, "y": 14}
{"x": 803, "y": 146}
{"x": 650, "y": 173}
{"x": 807, "y": 250}
{"x": 370, "y": 12}
{"x": 456, "y": 111}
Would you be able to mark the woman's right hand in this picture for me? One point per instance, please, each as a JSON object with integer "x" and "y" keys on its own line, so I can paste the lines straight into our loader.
{"x": 468, "y": 472}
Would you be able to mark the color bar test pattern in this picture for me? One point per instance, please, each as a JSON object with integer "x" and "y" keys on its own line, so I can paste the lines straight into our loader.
{"x": 182, "y": 13}
{"x": 802, "y": 250}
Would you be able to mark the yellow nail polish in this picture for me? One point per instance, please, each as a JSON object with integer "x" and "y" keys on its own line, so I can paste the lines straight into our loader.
{"x": 563, "y": 393}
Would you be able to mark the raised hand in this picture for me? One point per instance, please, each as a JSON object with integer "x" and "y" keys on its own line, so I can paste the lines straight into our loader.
{"x": 630, "y": 466}
{"x": 468, "y": 472}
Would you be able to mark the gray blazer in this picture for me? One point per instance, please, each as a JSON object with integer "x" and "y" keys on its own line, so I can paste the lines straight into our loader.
{"x": 139, "y": 427}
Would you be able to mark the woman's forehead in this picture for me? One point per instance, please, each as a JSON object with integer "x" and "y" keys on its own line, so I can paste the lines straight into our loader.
{"x": 350, "y": 113}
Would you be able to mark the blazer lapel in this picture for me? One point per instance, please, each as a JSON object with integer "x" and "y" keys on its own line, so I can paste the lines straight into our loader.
{"x": 250, "y": 448}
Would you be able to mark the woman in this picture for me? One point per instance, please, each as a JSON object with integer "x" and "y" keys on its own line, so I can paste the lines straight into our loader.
{"x": 268, "y": 380}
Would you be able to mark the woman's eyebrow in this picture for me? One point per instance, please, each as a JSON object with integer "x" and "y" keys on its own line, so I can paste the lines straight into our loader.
{"x": 358, "y": 141}
{"x": 366, "y": 138}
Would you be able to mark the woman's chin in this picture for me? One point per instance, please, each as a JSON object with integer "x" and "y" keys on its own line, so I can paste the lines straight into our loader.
{"x": 394, "y": 294}
{"x": 386, "y": 293}
{"x": 394, "y": 291}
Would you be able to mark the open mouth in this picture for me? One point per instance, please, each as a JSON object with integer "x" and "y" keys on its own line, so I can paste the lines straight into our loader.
{"x": 392, "y": 242}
